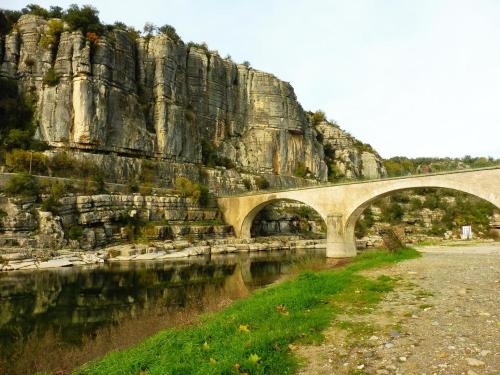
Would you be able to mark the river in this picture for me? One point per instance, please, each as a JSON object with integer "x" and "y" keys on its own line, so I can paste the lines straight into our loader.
{"x": 55, "y": 320}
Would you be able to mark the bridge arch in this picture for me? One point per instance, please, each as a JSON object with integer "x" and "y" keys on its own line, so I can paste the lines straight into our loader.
{"x": 246, "y": 226}
{"x": 356, "y": 213}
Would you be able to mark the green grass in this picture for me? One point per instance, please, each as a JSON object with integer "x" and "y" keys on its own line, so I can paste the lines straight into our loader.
{"x": 252, "y": 334}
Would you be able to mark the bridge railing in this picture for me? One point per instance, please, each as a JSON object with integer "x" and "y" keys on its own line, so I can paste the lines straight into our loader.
{"x": 353, "y": 182}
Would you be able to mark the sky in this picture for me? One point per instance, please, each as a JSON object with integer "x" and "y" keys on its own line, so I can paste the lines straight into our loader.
{"x": 412, "y": 78}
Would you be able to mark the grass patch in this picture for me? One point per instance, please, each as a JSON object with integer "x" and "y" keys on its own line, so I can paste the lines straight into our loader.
{"x": 356, "y": 330}
{"x": 291, "y": 311}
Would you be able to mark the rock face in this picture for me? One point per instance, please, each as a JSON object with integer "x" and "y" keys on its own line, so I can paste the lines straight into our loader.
{"x": 154, "y": 97}
{"x": 351, "y": 158}
{"x": 102, "y": 219}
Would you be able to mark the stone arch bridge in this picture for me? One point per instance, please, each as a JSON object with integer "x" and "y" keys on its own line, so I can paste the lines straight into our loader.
{"x": 341, "y": 205}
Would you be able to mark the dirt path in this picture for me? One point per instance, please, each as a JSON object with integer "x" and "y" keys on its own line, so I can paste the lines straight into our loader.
{"x": 443, "y": 317}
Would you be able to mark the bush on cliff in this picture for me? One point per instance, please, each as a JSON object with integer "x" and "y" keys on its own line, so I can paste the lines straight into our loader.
{"x": 300, "y": 170}
{"x": 262, "y": 183}
{"x": 317, "y": 117}
{"x": 170, "y": 32}
{"x": 186, "y": 188}
{"x": 22, "y": 184}
{"x": 75, "y": 232}
{"x": 86, "y": 19}
{"x": 52, "y": 35}
{"x": 51, "y": 78}
{"x": 210, "y": 158}
{"x": 20, "y": 160}
{"x": 16, "y": 116}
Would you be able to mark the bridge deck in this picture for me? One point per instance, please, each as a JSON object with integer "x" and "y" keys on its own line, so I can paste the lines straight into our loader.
{"x": 356, "y": 182}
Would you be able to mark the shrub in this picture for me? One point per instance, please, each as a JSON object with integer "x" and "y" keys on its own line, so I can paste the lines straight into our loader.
{"x": 19, "y": 161}
{"x": 392, "y": 213}
{"x": 146, "y": 190}
{"x": 23, "y": 185}
{"x": 186, "y": 188}
{"x": 8, "y": 19}
{"x": 204, "y": 195}
{"x": 18, "y": 138}
{"x": 247, "y": 183}
{"x": 100, "y": 184}
{"x": 318, "y": 117}
{"x": 16, "y": 112}
{"x": 84, "y": 19}
{"x": 51, "y": 78}
{"x": 58, "y": 188}
{"x": 36, "y": 10}
{"x": 53, "y": 33}
{"x": 262, "y": 183}
{"x": 190, "y": 115}
{"x": 400, "y": 197}
{"x": 51, "y": 204}
{"x": 431, "y": 202}
{"x": 202, "y": 46}
{"x": 300, "y": 170}
{"x": 148, "y": 171}
{"x": 415, "y": 204}
{"x": 133, "y": 186}
{"x": 170, "y": 32}
{"x": 333, "y": 173}
{"x": 75, "y": 232}
{"x": 55, "y": 12}
{"x": 62, "y": 164}
{"x": 210, "y": 158}
{"x": 247, "y": 64}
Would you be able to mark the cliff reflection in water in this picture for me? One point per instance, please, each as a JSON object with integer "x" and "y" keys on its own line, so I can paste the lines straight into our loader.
{"x": 72, "y": 306}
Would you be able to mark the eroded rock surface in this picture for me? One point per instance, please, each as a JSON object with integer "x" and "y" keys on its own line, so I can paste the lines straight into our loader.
{"x": 155, "y": 97}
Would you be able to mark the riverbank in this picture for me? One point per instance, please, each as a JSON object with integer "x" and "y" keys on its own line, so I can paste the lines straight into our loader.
{"x": 158, "y": 251}
{"x": 441, "y": 318}
{"x": 257, "y": 334}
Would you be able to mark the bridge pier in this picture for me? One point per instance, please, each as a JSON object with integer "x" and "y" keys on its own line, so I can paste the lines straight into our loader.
{"x": 338, "y": 242}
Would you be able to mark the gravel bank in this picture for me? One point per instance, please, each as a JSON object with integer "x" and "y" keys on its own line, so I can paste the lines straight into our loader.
{"x": 443, "y": 317}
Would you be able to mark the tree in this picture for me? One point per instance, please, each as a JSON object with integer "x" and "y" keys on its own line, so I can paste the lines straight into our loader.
{"x": 8, "y": 18}
{"x": 85, "y": 19}
{"x": 36, "y": 10}
{"x": 170, "y": 32}
{"x": 56, "y": 12}
{"x": 149, "y": 29}
{"x": 16, "y": 116}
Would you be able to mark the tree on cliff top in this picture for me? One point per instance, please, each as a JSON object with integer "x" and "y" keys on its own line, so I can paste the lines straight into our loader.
{"x": 85, "y": 19}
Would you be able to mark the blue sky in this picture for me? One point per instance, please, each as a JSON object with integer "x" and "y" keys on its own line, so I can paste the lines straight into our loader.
{"x": 412, "y": 78}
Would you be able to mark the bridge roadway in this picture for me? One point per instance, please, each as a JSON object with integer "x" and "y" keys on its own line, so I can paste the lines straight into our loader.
{"x": 341, "y": 205}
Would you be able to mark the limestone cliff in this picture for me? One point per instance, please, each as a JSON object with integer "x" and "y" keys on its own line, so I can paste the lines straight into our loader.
{"x": 159, "y": 98}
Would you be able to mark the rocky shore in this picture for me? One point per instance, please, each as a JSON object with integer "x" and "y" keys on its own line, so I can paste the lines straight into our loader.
{"x": 160, "y": 251}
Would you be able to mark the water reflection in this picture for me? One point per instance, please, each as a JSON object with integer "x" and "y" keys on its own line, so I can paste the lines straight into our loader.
{"x": 117, "y": 304}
